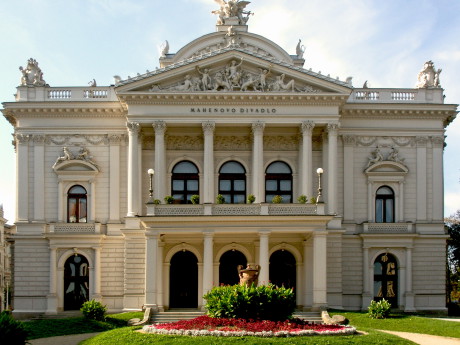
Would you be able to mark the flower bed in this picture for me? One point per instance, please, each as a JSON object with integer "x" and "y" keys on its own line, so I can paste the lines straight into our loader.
{"x": 205, "y": 325}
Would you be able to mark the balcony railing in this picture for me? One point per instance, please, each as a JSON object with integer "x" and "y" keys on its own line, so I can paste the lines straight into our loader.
{"x": 66, "y": 94}
{"x": 236, "y": 210}
{"x": 392, "y": 228}
{"x": 94, "y": 228}
{"x": 428, "y": 95}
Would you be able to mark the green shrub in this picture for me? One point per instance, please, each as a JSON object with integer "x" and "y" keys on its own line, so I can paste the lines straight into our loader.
{"x": 313, "y": 200}
{"x": 379, "y": 310}
{"x": 195, "y": 199}
{"x": 93, "y": 310}
{"x": 302, "y": 199}
{"x": 265, "y": 302}
{"x": 169, "y": 199}
{"x": 220, "y": 199}
{"x": 251, "y": 198}
{"x": 157, "y": 201}
{"x": 12, "y": 332}
{"x": 277, "y": 199}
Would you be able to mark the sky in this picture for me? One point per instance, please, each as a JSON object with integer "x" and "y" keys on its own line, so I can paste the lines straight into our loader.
{"x": 383, "y": 42}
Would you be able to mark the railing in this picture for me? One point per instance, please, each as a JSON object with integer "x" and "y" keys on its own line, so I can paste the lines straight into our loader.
{"x": 391, "y": 228}
{"x": 428, "y": 95}
{"x": 65, "y": 94}
{"x": 94, "y": 228}
{"x": 235, "y": 210}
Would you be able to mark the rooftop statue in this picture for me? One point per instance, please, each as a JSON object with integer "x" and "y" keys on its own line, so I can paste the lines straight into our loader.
{"x": 164, "y": 49}
{"x": 300, "y": 50}
{"x": 428, "y": 76}
{"x": 232, "y": 9}
{"x": 32, "y": 75}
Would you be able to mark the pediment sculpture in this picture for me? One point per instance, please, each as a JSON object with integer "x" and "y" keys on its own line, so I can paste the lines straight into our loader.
{"x": 428, "y": 76}
{"x": 32, "y": 75}
{"x": 81, "y": 155}
{"x": 233, "y": 77}
{"x": 232, "y": 12}
{"x": 377, "y": 156}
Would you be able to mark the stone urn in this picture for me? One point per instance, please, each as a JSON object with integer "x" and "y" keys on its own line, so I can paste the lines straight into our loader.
{"x": 248, "y": 275}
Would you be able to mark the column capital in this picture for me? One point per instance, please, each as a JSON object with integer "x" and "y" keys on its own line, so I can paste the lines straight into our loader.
{"x": 349, "y": 140}
{"x": 258, "y": 127}
{"x": 208, "y": 127}
{"x": 421, "y": 141}
{"x": 22, "y": 138}
{"x": 208, "y": 234}
{"x": 39, "y": 139}
{"x": 307, "y": 127}
{"x": 333, "y": 127}
{"x": 159, "y": 127}
{"x": 264, "y": 233}
{"x": 115, "y": 138}
{"x": 133, "y": 127}
{"x": 438, "y": 141}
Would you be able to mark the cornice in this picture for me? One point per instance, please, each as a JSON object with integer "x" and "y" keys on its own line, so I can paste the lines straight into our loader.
{"x": 445, "y": 113}
{"x": 60, "y": 111}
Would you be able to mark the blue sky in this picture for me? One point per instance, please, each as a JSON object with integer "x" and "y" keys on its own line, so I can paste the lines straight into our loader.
{"x": 384, "y": 42}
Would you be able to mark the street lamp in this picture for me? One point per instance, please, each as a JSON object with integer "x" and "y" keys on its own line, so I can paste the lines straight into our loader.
{"x": 319, "y": 171}
{"x": 150, "y": 172}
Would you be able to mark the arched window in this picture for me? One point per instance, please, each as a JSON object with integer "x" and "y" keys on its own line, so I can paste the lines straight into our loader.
{"x": 384, "y": 205}
{"x": 232, "y": 182}
{"x": 184, "y": 182}
{"x": 76, "y": 205}
{"x": 386, "y": 279}
{"x": 278, "y": 181}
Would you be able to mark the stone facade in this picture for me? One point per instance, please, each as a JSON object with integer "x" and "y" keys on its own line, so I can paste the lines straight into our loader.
{"x": 228, "y": 97}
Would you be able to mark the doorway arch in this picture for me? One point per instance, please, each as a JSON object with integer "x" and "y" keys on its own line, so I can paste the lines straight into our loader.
{"x": 76, "y": 282}
{"x": 228, "y": 267}
{"x": 386, "y": 279}
{"x": 282, "y": 270}
{"x": 183, "y": 280}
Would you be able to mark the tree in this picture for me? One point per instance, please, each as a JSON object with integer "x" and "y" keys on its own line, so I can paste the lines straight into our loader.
{"x": 453, "y": 259}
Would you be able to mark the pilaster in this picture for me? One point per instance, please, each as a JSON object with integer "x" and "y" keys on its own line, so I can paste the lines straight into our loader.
{"x": 22, "y": 177}
{"x": 114, "y": 178}
{"x": 160, "y": 190}
{"x": 133, "y": 159}
{"x": 39, "y": 178}
{"x": 258, "y": 161}
{"x": 348, "y": 184}
{"x": 438, "y": 182}
{"x": 306, "y": 183}
{"x": 332, "y": 129}
{"x": 421, "y": 178}
{"x": 208, "y": 181}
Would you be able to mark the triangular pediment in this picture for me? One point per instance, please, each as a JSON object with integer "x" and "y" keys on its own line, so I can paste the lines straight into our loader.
{"x": 232, "y": 70}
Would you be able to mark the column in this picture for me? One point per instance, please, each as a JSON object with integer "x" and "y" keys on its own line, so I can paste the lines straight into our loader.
{"x": 306, "y": 165}
{"x": 264, "y": 262}
{"x": 367, "y": 295}
{"x": 160, "y": 190}
{"x": 438, "y": 183}
{"x": 39, "y": 178}
{"x": 114, "y": 178}
{"x": 348, "y": 184}
{"x": 258, "y": 162}
{"x": 160, "y": 273}
{"x": 207, "y": 260}
{"x": 421, "y": 178}
{"x": 208, "y": 169}
{"x": 22, "y": 177}
{"x": 151, "y": 265}
{"x": 52, "y": 296}
{"x": 133, "y": 134}
{"x": 92, "y": 199}
{"x": 332, "y": 129}
{"x": 307, "y": 273}
{"x": 319, "y": 269}
{"x": 61, "y": 201}
{"x": 409, "y": 295}
{"x": 97, "y": 274}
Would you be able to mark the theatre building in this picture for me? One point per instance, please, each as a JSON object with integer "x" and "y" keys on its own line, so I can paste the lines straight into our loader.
{"x": 106, "y": 177}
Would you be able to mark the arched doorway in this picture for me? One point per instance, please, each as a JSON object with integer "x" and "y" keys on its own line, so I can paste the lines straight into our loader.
{"x": 76, "y": 282}
{"x": 183, "y": 280}
{"x": 282, "y": 270}
{"x": 228, "y": 267}
{"x": 386, "y": 279}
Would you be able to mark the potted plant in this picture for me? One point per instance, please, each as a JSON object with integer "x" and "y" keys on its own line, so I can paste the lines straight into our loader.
{"x": 169, "y": 199}
{"x": 251, "y": 199}
{"x": 277, "y": 199}
{"x": 302, "y": 199}
{"x": 313, "y": 200}
{"x": 195, "y": 199}
{"x": 157, "y": 201}
{"x": 220, "y": 199}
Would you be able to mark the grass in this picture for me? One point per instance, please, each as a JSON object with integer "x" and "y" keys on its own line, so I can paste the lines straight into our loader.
{"x": 115, "y": 331}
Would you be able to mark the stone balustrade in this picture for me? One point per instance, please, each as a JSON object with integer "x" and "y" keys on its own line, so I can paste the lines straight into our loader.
{"x": 380, "y": 228}
{"x": 65, "y": 94}
{"x": 94, "y": 228}
{"x": 425, "y": 95}
{"x": 236, "y": 210}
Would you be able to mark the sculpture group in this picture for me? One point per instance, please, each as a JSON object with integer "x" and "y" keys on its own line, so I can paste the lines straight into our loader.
{"x": 232, "y": 9}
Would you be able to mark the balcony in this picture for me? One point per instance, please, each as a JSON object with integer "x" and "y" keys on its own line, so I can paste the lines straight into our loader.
{"x": 406, "y": 96}
{"x": 388, "y": 228}
{"x": 90, "y": 228}
{"x": 235, "y": 210}
{"x": 65, "y": 94}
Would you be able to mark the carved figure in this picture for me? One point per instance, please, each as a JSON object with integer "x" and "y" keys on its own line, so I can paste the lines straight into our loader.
{"x": 187, "y": 85}
{"x": 232, "y": 8}
{"x": 219, "y": 82}
{"x": 376, "y": 157}
{"x": 248, "y": 83}
{"x": 232, "y": 37}
{"x": 300, "y": 50}
{"x": 394, "y": 156}
{"x": 233, "y": 73}
{"x": 279, "y": 85}
{"x": 264, "y": 73}
{"x": 65, "y": 157}
{"x": 92, "y": 83}
{"x": 248, "y": 275}
{"x": 205, "y": 78}
{"x": 32, "y": 75}
{"x": 164, "y": 49}
{"x": 428, "y": 76}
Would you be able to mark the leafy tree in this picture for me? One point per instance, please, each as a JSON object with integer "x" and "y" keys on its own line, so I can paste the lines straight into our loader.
{"x": 453, "y": 259}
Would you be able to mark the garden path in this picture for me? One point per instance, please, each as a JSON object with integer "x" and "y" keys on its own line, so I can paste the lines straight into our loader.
{"x": 425, "y": 339}
{"x": 74, "y": 339}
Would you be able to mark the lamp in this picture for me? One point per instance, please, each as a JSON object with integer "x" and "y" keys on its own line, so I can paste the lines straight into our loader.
{"x": 319, "y": 171}
{"x": 150, "y": 172}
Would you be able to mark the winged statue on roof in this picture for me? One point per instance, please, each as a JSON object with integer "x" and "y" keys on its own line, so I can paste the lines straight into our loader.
{"x": 232, "y": 9}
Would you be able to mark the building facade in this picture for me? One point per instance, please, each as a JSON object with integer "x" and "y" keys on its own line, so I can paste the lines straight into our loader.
{"x": 230, "y": 116}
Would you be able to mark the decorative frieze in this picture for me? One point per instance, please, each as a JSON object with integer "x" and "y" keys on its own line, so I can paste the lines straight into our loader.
{"x": 232, "y": 143}
{"x": 184, "y": 142}
{"x": 22, "y": 139}
{"x": 77, "y": 139}
{"x": 281, "y": 143}
{"x": 349, "y": 140}
{"x": 39, "y": 139}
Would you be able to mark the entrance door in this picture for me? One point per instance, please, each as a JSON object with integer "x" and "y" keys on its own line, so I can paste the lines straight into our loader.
{"x": 76, "y": 282}
{"x": 386, "y": 279}
{"x": 228, "y": 267}
{"x": 183, "y": 280}
{"x": 283, "y": 269}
